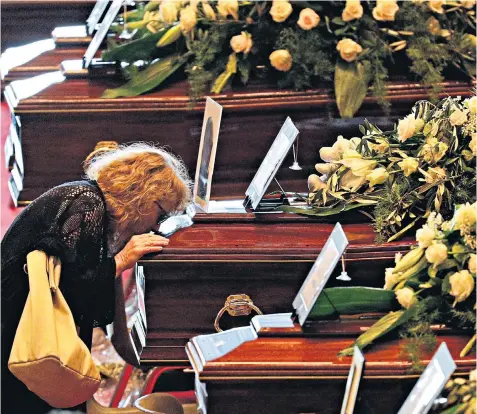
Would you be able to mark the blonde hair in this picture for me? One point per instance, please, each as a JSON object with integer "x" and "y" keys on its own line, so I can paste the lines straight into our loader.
{"x": 133, "y": 177}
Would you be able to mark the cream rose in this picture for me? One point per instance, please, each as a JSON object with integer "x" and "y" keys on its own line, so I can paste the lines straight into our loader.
{"x": 351, "y": 153}
{"x": 209, "y": 11}
{"x": 228, "y": 7}
{"x": 472, "y": 263}
{"x": 349, "y": 49}
{"x": 433, "y": 151}
{"x": 377, "y": 176}
{"x": 409, "y": 165}
{"x": 353, "y": 10}
{"x": 308, "y": 19}
{"x": 280, "y": 10}
{"x": 462, "y": 285}
{"x": 188, "y": 19}
{"x": 425, "y": 236}
{"x": 466, "y": 215}
{"x": 385, "y": 10}
{"x": 471, "y": 104}
{"x": 168, "y": 11}
{"x": 458, "y": 117}
{"x": 468, "y": 4}
{"x": 405, "y": 297}
{"x": 436, "y": 253}
{"x": 315, "y": 183}
{"x": 436, "y": 6}
{"x": 241, "y": 43}
{"x": 281, "y": 60}
{"x": 381, "y": 147}
{"x": 329, "y": 154}
{"x": 390, "y": 279}
{"x": 408, "y": 127}
{"x": 473, "y": 144}
{"x": 327, "y": 168}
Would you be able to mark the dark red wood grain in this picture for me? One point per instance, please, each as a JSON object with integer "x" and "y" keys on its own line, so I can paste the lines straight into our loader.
{"x": 64, "y": 122}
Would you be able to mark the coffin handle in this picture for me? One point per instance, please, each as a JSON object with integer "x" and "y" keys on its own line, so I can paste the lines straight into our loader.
{"x": 236, "y": 305}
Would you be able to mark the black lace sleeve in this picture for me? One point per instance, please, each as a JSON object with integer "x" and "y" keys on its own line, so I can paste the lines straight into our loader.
{"x": 78, "y": 238}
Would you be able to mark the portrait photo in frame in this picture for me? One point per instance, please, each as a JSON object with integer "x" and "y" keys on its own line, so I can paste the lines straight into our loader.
{"x": 206, "y": 156}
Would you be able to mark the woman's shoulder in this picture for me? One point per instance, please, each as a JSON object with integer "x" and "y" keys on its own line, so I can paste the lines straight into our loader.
{"x": 83, "y": 191}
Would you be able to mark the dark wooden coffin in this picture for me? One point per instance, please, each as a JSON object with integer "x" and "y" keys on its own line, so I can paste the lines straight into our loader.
{"x": 304, "y": 375}
{"x": 25, "y": 21}
{"x": 60, "y": 124}
{"x": 188, "y": 283}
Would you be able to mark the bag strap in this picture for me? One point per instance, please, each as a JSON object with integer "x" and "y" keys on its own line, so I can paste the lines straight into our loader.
{"x": 54, "y": 273}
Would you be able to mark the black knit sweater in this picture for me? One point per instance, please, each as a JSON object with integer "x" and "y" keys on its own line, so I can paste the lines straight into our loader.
{"x": 70, "y": 222}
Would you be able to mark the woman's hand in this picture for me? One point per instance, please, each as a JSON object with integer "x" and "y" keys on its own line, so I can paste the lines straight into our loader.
{"x": 137, "y": 247}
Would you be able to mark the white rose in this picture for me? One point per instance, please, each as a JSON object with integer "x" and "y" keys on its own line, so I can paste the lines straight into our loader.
{"x": 468, "y": 4}
{"x": 472, "y": 263}
{"x": 433, "y": 151}
{"x": 409, "y": 165}
{"x": 188, "y": 19}
{"x": 168, "y": 11}
{"x": 436, "y": 6}
{"x": 436, "y": 253}
{"x": 462, "y": 285}
{"x": 471, "y": 104}
{"x": 409, "y": 126}
{"x": 226, "y": 7}
{"x": 281, "y": 60}
{"x": 341, "y": 145}
{"x": 327, "y": 168}
{"x": 405, "y": 297}
{"x": 385, "y": 10}
{"x": 473, "y": 144}
{"x": 473, "y": 375}
{"x": 390, "y": 278}
{"x": 349, "y": 49}
{"x": 351, "y": 153}
{"x": 280, "y": 10}
{"x": 353, "y": 10}
{"x": 329, "y": 154}
{"x": 315, "y": 183}
{"x": 308, "y": 19}
{"x": 466, "y": 215}
{"x": 377, "y": 176}
{"x": 209, "y": 11}
{"x": 241, "y": 43}
{"x": 425, "y": 236}
{"x": 458, "y": 117}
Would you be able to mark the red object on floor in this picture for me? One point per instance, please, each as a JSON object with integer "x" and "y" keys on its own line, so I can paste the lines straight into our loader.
{"x": 8, "y": 211}
{"x": 185, "y": 397}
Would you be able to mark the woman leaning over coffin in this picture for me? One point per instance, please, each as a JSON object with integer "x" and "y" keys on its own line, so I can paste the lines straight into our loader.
{"x": 98, "y": 227}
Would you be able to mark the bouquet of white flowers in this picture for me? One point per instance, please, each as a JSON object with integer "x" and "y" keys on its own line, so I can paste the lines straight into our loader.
{"x": 398, "y": 177}
{"x": 435, "y": 282}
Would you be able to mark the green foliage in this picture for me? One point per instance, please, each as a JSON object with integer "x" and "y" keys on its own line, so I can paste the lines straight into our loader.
{"x": 204, "y": 65}
{"x": 311, "y": 62}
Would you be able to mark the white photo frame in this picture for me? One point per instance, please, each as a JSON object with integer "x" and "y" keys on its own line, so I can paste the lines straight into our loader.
{"x": 352, "y": 385}
{"x": 206, "y": 156}
{"x": 320, "y": 273}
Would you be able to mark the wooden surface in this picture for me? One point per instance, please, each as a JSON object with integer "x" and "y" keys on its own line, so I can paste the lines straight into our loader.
{"x": 28, "y": 21}
{"x": 64, "y": 121}
{"x": 188, "y": 283}
{"x": 305, "y": 375}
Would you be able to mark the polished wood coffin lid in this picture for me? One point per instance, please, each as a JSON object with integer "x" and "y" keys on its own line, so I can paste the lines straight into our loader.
{"x": 279, "y": 358}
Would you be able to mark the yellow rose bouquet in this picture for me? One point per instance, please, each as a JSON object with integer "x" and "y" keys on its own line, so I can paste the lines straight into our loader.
{"x": 396, "y": 178}
{"x": 434, "y": 283}
{"x": 294, "y": 44}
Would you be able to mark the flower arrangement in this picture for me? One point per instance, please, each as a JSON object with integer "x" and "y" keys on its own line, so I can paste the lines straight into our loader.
{"x": 434, "y": 283}
{"x": 460, "y": 394}
{"x": 425, "y": 163}
{"x": 297, "y": 44}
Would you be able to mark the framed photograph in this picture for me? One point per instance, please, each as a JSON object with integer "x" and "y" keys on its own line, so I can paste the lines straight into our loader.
{"x": 320, "y": 273}
{"x": 206, "y": 156}
{"x": 352, "y": 385}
